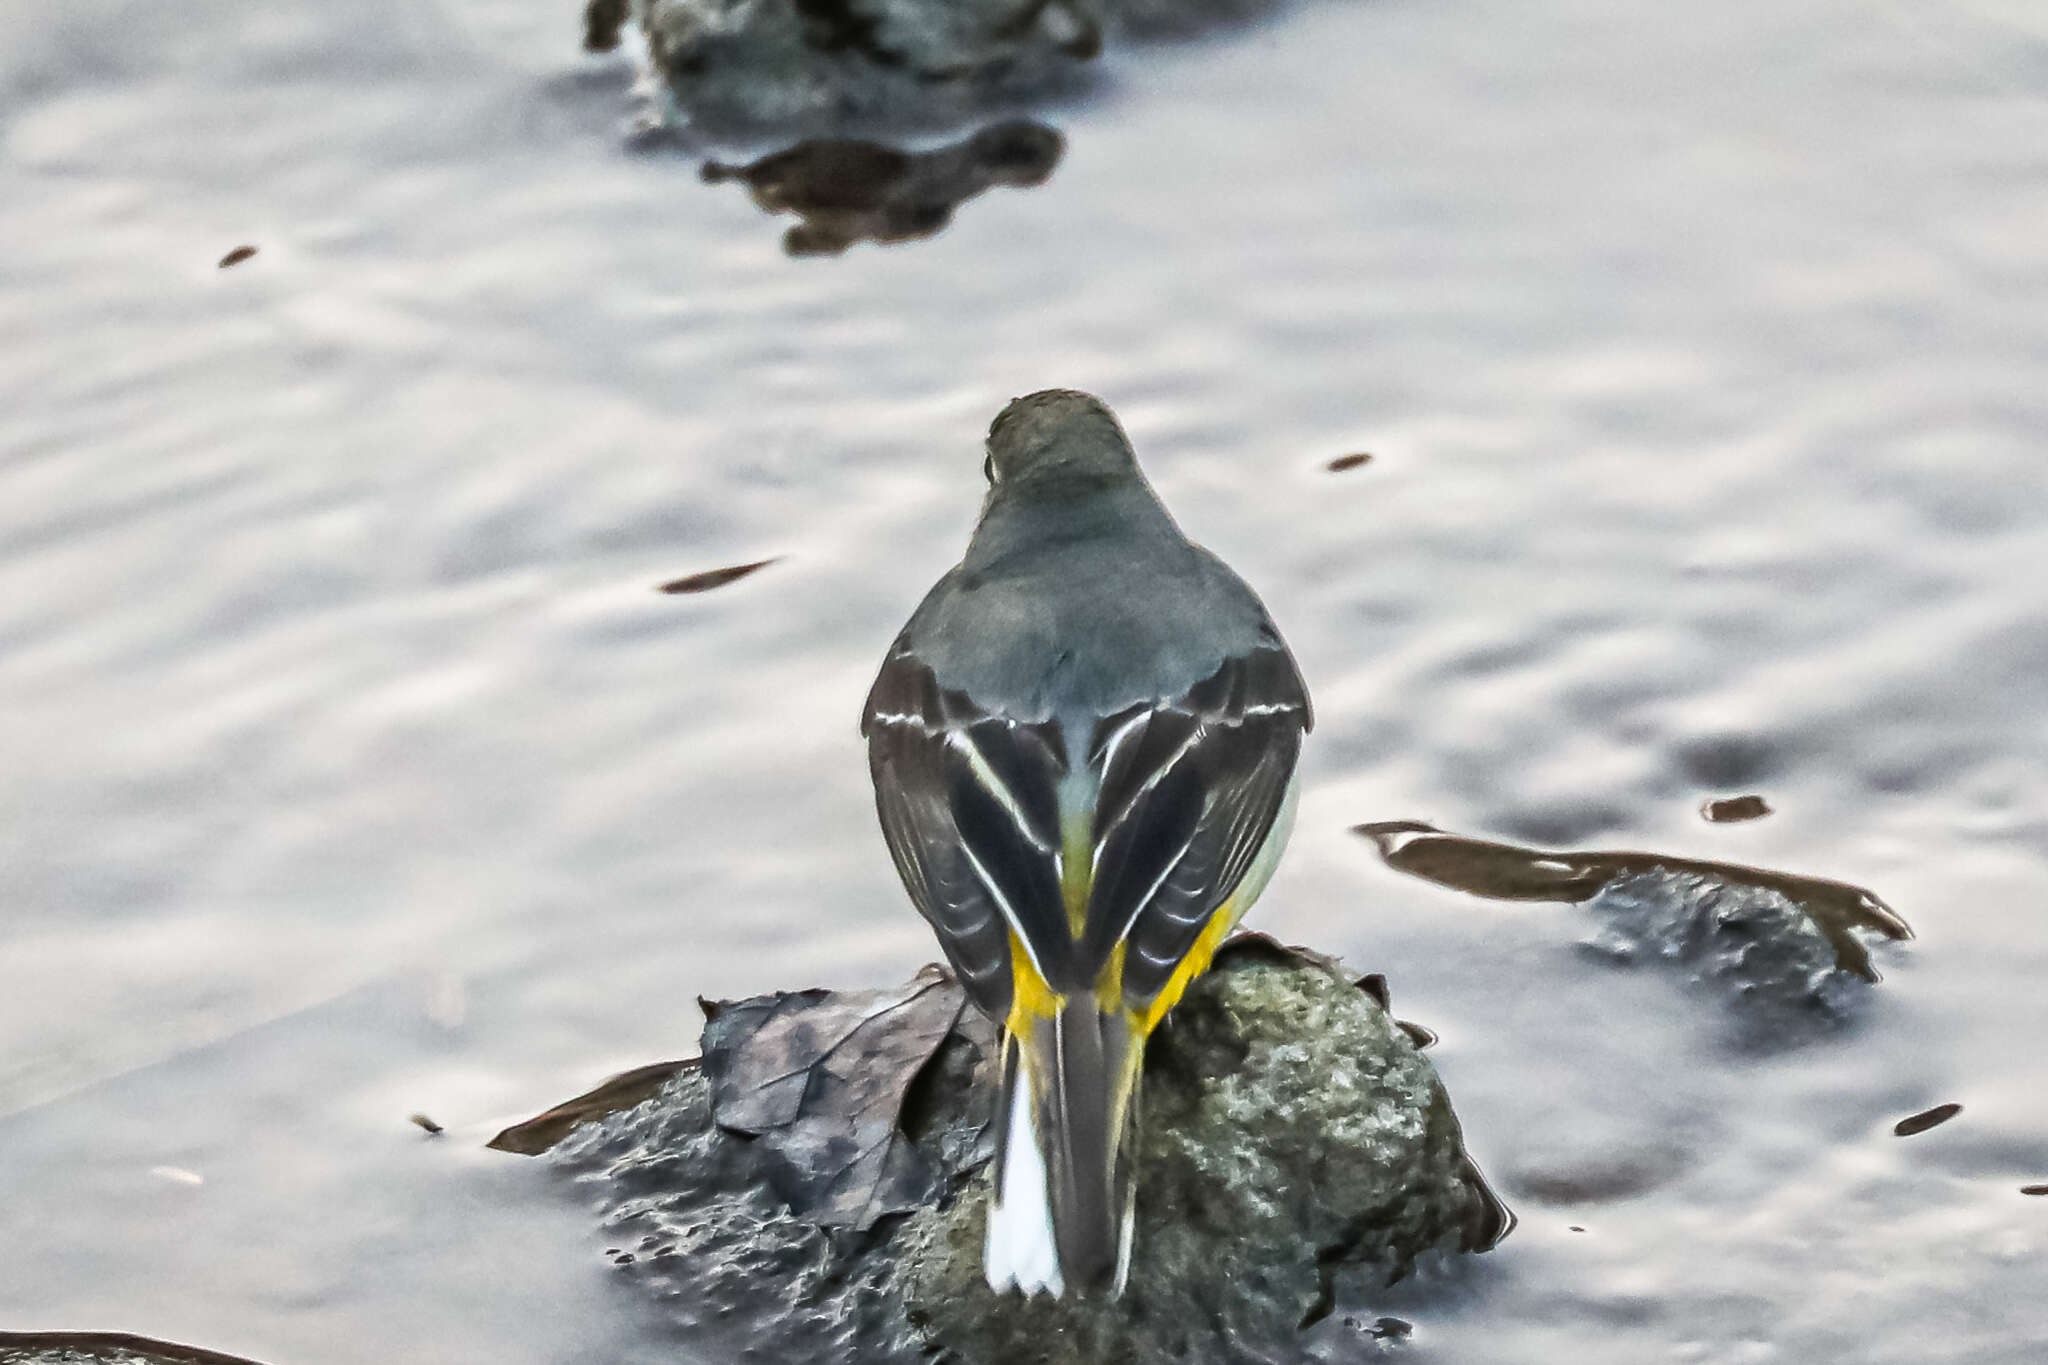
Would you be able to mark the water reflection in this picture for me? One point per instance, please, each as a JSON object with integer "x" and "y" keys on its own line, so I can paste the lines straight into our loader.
{"x": 847, "y": 190}
{"x": 1511, "y": 872}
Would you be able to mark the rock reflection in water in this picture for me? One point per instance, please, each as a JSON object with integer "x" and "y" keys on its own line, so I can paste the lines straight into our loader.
{"x": 603, "y": 20}
{"x": 1788, "y": 949}
{"x": 849, "y": 191}
{"x": 815, "y": 1186}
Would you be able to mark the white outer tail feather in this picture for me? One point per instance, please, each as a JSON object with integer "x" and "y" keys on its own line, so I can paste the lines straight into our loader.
{"x": 1020, "y": 1252}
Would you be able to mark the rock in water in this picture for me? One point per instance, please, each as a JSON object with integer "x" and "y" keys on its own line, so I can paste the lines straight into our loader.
{"x": 103, "y": 1348}
{"x": 1294, "y": 1144}
{"x": 1752, "y": 946}
{"x": 1789, "y": 954}
{"x": 765, "y": 62}
{"x": 757, "y": 63}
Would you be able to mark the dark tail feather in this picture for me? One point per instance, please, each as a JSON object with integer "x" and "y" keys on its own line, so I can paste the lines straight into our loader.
{"x": 1062, "y": 1214}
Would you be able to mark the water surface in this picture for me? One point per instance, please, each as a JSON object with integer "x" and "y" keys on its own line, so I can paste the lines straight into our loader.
{"x": 354, "y": 766}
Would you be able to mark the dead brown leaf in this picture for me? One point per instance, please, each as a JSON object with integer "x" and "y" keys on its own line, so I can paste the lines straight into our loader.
{"x": 622, "y": 1091}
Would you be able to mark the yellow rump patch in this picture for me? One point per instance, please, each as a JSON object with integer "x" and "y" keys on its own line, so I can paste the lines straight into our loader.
{"x": 1193, "y": 965}
{"x": 1109, "y": 982}
{"x": 1030, "y": 997}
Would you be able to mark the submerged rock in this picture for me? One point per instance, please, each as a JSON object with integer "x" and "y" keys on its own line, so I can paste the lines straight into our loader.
{"x": 1785, "y": 951}
{"x": 816, "y": 1189}
{"x": 1750, "y": 945}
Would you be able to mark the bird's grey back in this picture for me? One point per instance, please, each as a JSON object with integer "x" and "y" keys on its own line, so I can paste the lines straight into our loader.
{"x": 1083, "y": 607}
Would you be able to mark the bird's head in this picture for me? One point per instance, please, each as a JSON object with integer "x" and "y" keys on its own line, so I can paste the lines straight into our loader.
{"x": 1058, "y": 438}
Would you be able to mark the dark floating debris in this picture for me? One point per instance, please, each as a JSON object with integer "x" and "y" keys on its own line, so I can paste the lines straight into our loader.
{"x": 848, "y": 191}
{"x": 2034, "y": 1189}
{"x": 817, "y": 1185}
{"x": 1731, "y": 809}
{"x": 715, "y": 578}
{"x": 623, "y": 1091}
{"x": 421, "y": 1121}
{"x": 237, "y": 256}
{"x": 1927, "y": 1118}
{"x": 603, "y": 20}
{"x": 1344, "y": 462}
{"x": 1785, "y": 949}
{"x": 114, "y": 1348}
{"x": 1574, "y": 1228}
{"x": 1392, "y": 1329}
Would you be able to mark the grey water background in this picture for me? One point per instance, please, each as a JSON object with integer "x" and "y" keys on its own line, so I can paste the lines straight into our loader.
{"x": 350, "y": 766}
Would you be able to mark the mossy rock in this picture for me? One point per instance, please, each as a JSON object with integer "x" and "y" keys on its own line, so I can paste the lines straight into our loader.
{"x": 1292, "y": 1132}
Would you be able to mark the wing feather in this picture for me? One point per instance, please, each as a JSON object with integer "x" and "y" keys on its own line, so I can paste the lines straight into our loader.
{"x": 969, "y": 809}
{"x": 1186, "y": 792}
{"x": 1189, "y": 796}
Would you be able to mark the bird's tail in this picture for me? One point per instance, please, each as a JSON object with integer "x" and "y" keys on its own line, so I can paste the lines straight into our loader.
{"x": 1061, "y": 1217}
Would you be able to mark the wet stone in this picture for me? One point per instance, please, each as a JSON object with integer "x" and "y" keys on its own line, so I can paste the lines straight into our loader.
{"x": 766, "y": 63}
{"x": 103, "y": 1348}
{"x": 1296, "y": 1152}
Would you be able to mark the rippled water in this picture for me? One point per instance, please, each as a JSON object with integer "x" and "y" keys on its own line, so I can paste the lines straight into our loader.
{"x": 355, "y": 768}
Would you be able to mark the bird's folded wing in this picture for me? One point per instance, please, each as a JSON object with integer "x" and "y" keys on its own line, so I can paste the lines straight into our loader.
{"x": 975, "y": 837}
{"x": 1190, "y": 791}
{"x": 1186, "y": 792}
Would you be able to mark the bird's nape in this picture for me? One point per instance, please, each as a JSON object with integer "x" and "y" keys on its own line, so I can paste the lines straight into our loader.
{"x": 1059, "y": 432}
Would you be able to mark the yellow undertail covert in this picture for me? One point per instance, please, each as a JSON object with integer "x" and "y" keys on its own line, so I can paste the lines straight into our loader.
{"x": 1031, "y": 998}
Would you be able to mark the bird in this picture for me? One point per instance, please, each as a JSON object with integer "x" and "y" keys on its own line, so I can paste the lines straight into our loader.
{"x": 1084, "y": 747}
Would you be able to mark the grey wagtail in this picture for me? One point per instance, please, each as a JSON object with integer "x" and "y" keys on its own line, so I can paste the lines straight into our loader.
{"x": 1083, "y": 746}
